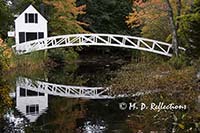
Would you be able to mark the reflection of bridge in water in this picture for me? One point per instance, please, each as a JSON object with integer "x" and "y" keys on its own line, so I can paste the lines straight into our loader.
{"x": 64, "y": 90}
{"x": 32, "y": 96}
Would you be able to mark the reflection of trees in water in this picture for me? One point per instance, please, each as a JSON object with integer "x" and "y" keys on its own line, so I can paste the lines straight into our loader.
{"x": 68, "y": 115}
{"x": 5, "y": 101}
{"x": 62, "y": 115}
{"x": 104, "y": 116}
{"x": 88, "y": 74}
{"x": 14, "y": 122}
{"x": 97, "y": 73}
{"x": 65, "y": 75}
{"x": 176, "y": 120}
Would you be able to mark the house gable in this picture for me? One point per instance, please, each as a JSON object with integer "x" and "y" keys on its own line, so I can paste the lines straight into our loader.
{"x": 30, "y": 25}
{"x": 30, "y": 9}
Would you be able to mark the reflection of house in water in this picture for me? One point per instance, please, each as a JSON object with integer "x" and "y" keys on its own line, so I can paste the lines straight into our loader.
{"x": 31, "y": 103}
{"x": 32, "y": 96}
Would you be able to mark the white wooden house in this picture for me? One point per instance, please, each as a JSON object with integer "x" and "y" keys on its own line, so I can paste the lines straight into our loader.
{"x": 30, "y": 25}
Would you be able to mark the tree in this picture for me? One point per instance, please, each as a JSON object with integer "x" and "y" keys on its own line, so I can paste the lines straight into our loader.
{"x": 145, "y": 12}
{"x": 18, "y": 6}
{"x": 107, "y": 16}
{"x": 5, "y": 56}
{"x": 190, "y": 30}
{"x": 151, "y": 17}
{"x": 63, "y": 17}
{"x": 173, "y": 24}
{"x": 6, "y": 19}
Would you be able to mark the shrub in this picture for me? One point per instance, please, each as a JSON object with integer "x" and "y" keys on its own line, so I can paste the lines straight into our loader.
{"x": 178, "y": 62}
{"x": 62, "y": 55}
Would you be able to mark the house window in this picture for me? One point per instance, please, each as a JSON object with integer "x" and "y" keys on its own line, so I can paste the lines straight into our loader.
{"x": 31, "y": 18}
{"x": 21, "y": 37}
{"x": 28, "y": 36}
{"x": 32, "y": 109}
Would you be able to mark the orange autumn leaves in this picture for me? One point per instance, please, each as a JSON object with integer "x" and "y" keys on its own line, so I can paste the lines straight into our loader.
{"x": 64, "y": 17}
{"x": 67, "y": 7}
{"x": 5, "y": 54}
{"x": 5, "y": 50}
{"x": 146, "y": 12}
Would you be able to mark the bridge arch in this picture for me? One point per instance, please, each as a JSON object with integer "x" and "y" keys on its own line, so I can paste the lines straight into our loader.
{"x": 112, "y": 40}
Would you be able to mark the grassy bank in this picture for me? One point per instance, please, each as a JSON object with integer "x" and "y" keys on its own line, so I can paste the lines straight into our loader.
{"x": 29, "y": 61}
{"x": 150, "y": 76}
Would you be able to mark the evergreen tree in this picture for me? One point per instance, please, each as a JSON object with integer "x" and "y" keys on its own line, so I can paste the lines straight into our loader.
{"x": 107, "y": 16}
{"x": 18, "y": 6}
{"x": 6, "y": 19}
{"x": 190, "y": 30}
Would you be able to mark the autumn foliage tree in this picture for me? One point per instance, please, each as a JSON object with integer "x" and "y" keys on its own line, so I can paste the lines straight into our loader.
{"x": 161, "y": 13}
{"x": 151, "y": 17}
{"x": 63, "y": 17}
{"x": 145, "y": 12}
{"x": 5, "y": 55}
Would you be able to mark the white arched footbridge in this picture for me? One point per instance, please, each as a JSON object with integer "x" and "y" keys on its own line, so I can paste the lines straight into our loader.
{"x": 123, "y": 41}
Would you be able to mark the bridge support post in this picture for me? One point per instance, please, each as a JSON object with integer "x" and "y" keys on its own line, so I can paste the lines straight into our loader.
{"x": 45, "y": 54}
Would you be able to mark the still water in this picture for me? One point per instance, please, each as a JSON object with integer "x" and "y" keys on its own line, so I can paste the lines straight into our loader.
{"x": 77, "y": 98}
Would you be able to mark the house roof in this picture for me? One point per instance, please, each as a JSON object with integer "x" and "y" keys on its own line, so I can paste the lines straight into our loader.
{"x": 30, "y": 7}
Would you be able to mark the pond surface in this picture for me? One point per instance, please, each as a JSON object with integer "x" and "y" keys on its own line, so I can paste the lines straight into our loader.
{"x": 77, "y": 98}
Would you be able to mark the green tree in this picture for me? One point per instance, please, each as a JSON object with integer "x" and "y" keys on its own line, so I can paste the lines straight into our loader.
{"x": 6, "y": 19}
{"x": 18, "y": 6}
{"x": 190, "y": 30}
{"x": 107, "y": 16}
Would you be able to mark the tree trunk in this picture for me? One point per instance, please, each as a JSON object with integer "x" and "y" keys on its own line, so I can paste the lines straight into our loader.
{"x": 173, "y": 28}
{"x": 179, "y": 7}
